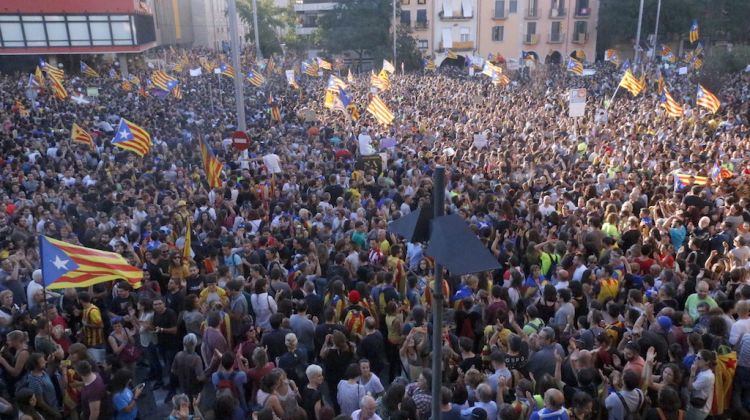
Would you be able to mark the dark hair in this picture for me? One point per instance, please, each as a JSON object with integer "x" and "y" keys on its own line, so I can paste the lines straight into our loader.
{"x": 352, "y": 371}
{"x": 120, "y": 380}
{"x": 227, "y": 360}
{"x": 445, "y": 395}
{"x": 630, "y": 379}
{"x": 669, "y": 399}
{"x": 276, "y": 320}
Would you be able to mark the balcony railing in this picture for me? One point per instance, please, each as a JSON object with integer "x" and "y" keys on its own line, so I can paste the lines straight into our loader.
{"x": 583, "y": 12}
{"x": 421, "y": 24}
{"x": 459, "y": 46}
{"x": 557, "y": 13}
{"x": 555, "y": 38}
{"x": 499, "y": 14}
{"x": 580, "y": 37}
{"x": 455, "y": 16}
{"x": 531, "y": 13}
{"x": 531, "y": 39}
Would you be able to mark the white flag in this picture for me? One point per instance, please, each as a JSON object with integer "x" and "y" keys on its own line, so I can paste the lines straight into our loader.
{"x": 387, "y": 66}
{"x": 196, "y": 72}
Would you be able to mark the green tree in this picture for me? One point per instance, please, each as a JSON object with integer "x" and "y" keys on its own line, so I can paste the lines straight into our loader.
{"x": 724, "y": 20}
{"x": 271, "y": 22}
{"x": 407, "y": 50}
{"x": 360, "y": 26}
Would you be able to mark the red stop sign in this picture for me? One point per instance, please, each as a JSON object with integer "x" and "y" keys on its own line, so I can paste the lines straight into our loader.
{"x": 240, "y": 140}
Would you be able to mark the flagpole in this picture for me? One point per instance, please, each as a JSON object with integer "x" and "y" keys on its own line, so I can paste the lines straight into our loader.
{"x": 638, "y": 35}
{"x": 656, "y": 28}
{"x": 395, "y": 29}
{"x": 44, "y": 283}
{"x": 613, "y": 96}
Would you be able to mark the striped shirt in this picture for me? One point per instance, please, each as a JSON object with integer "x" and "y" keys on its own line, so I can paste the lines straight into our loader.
{"x": 93, "y": 330}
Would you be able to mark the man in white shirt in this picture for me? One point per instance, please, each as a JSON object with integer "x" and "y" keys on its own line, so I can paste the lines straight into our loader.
{"x": 742, "y": 325}
{"x": 367, "y": 410}
{"x": 34, "y": 286}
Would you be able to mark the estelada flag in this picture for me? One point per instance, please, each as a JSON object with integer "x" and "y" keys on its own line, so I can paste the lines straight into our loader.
{"x": 66, "y": 265}
{"x": 81, "y": 136}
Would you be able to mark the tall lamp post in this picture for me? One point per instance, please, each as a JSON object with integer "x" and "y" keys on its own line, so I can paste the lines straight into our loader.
{"x": 239, "y": 94}
{"x": 656, "y": 29}
{"x": 638, "y": 36}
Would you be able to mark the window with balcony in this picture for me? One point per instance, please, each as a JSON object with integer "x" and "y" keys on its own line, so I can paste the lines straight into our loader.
{"x": 405, "y": 2}
{"x": 406, "y": 17}
{"x": 583, "y": 9}
{"x": 580, "y": 34}
{"x": 513, "y": 6}
{"x": 555, "y": 33}
{"x": 499, "y": 12}
{"x": 421, "y": 22}
{"x": 421, "y": 1}
{"x": 497, "y": 33}
{"x": 422, "y": 44}
{"x": 532, "y": 11}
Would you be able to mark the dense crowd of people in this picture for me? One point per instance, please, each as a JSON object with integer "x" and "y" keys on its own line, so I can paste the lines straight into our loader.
{"x": 622, "y": 293}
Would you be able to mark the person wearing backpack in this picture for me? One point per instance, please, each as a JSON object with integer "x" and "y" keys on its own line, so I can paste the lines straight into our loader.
{"x": 226, "y": 380}
{"x": 626, "y": 404}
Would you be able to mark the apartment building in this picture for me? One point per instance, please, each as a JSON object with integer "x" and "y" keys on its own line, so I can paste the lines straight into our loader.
{"x": 418, "y": 15}
{"x": 552, "y": 29}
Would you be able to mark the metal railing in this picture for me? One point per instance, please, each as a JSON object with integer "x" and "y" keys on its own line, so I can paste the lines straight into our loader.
{"x": 556, "y": 38}
{"x": 530, "y": 39}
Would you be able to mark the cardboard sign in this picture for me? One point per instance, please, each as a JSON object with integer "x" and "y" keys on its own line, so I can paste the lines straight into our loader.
{"x": 577, "y": 102}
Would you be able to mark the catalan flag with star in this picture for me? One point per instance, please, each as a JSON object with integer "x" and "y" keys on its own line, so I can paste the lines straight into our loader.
{"x": 161, "y": 80}
{"x": 255, "y": 78}
{"x": 130, "y": 136}
{"x": 51, "y": 70}
{"x": 672, "y": 108}
{"x": 88, "y": 71}
{"x": 310, "y": 69}
{"x": 81, "y": 136}
{"x": 694, "y": 31}
{"x": 211, "y": 164}
{"x": 275, "y": 109}
{"x": 707, "y": 100}
{"x": 226, "y": 70}
{"x": 575, "y": 66}
{"x": 65, "y": 265}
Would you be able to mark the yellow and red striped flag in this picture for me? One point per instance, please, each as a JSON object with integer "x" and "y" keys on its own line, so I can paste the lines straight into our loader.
{"x": 211, "y": 164}
{"x": 39, "y": 76}
{"x": 226, "y": 70}
{"x": 379, "y": 82}
{"x": 81, "y": 136}
{"x": 187, "y": 246}
{"x": 88, "y": 71}
{"x": 66, "y": 265}
{"x": 126, "y": 86}
{"x": 177, "y": 91}
{"x": 130, "y": 136}
{"x": 707, "y": 100}
{"x": 22, "y": 110}
{"x": 349, "y": 77}
{"x": 255, "y": 78}
{"x": 58, "y": 90}
{"x": 671, "y": 106}
{"x": 323, "y": 64}
{"x": 51, "y": 70}
{"x": 630, "y": 83}
{"x": 380, "y": 110}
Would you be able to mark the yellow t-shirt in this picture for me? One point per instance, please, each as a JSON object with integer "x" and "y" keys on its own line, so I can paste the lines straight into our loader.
{"x": 609, "y": 289}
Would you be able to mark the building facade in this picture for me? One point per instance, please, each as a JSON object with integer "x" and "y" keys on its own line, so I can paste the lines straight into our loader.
{"x": 419, "y": 16}
{"x": 75, "y": 27}
{"x": 552, "y": 29}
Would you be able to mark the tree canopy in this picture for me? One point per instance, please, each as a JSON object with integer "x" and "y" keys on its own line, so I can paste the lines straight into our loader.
{"x": 361, "y": 26}
{"x": 718, "y": 19}
{"x": 270, "y": 21}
